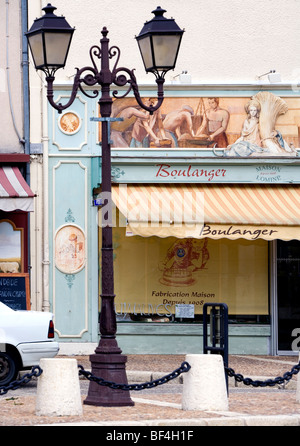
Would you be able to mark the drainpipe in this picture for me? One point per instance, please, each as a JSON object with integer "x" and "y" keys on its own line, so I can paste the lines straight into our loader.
{"x": 46, "y": 253}
{"x": 26, "y": 108}
{"x": 7, "y": 31}
{"x": 43, "y": 303}
{"x": 25, "y": 70}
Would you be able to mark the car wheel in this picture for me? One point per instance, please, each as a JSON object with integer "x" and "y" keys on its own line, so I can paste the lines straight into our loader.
{"x": 8, "y": 369}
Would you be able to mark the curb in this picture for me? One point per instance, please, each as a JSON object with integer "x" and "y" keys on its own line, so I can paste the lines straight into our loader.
{"x": 250, "y": 421}
{"x": 275, "y": 420}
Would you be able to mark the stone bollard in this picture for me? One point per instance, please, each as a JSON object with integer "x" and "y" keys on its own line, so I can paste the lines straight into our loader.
{"x": 204, "y": 385}
{"x": 298, "y": 385}
{"x": 58, "y": 388}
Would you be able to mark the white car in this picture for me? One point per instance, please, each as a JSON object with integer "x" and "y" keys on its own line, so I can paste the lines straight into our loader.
{"x": 25, "y": 338}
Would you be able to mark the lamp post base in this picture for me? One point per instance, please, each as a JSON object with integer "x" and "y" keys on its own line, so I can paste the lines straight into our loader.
{"x": 110, "y": 367}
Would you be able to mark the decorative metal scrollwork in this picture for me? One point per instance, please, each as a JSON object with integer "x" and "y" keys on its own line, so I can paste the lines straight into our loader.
{"x": 91, "y": 75}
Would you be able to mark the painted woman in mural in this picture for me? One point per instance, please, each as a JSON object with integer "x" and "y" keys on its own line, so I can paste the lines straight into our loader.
{"x": 259, "y": 136}
{"x": 249, "y": 140}
{"x": 182, "y": 259}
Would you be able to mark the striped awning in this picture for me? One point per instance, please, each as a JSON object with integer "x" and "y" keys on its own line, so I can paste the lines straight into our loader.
{"x": 215, "y": 211}
{"x": 15, "y": 194}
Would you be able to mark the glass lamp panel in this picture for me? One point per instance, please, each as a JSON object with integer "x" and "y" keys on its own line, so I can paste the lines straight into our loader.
{"x": 165, "y": 50}
{"x": 145, "y": 48}
{"x": 57, "y": 45}
{"x": 36, "y": 46}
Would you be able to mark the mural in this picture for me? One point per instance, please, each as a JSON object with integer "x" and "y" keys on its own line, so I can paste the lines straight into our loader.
{"x": 259, "y": 136}
{"x": 182, "y": 259}
{"x": 261, "y": 125}
{"x": 69, "y": 123}
{"x": 69, "y": 249}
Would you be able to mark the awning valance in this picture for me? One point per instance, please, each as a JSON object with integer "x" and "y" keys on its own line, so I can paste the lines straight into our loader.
{"x": 15, "y": 194}
{"x": 216, "y": 211}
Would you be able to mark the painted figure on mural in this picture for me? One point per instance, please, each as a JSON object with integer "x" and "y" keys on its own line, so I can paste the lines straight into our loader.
{"x": 148, "y": 129}
{"x": 215, "y": 122}
{"x": 249, "y": 140}
{"x": 129, "y": 116}
{"x": 259, "y": 136}
{"x": 175, "y": 119}
{"x": 182, "y": 259}
{"x": 137, "y": 128}
{"x": 69, "y": 249}
{"x": 69, "y": 122}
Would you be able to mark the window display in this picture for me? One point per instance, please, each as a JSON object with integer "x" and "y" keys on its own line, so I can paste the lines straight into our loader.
{"x": 155, "y": 277}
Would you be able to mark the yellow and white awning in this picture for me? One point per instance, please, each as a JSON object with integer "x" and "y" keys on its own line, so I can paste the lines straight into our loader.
{"x": 216, "y": 211}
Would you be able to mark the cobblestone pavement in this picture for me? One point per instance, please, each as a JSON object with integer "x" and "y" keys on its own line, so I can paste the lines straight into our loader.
{"x": 161, "y": 406}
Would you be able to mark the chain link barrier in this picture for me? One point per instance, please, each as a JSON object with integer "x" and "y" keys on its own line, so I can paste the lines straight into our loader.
{"x": 279, "y": 380}
{"x": 185, "y": 367}
{"x": 14, "y": 385}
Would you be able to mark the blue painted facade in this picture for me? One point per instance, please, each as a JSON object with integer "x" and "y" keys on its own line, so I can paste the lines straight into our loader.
{"x": 73, "y": 294}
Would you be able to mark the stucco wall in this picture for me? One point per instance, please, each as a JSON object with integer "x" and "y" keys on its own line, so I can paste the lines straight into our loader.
{"x": 225, "y": 41}
{"x": 10, "y": 64}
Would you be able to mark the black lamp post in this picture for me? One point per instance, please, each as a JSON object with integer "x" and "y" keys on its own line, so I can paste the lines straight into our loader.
{"x": 49, "y": 39}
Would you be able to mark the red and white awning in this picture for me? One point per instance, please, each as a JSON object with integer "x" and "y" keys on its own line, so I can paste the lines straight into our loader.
{"x": 15, "y": 194}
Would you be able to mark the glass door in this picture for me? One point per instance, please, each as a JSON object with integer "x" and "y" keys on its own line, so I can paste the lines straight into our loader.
{"x": 288, "y": 296}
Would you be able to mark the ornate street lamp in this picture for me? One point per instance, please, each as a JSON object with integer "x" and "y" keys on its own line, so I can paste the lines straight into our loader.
{"x": 49, "y": 39}
{"x": 159, "y": 43}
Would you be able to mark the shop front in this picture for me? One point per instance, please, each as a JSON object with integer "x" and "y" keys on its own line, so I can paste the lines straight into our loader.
{"x": 195, "y": 222}
{"x": 286, "y": 302}
{"x": 16, "y": 201}
{"x": 169, "y": 263}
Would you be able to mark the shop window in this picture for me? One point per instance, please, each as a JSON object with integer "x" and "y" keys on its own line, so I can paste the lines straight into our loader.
{"x": 288, "y": 289}
{"x": 170, "y": 279}
{"x": 11, "y": 242}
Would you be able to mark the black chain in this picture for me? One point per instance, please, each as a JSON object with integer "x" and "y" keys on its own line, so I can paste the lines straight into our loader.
{"x": 185, "y": 367}
{"x": 268, "y": 382}
{"x": 14, "y": 385}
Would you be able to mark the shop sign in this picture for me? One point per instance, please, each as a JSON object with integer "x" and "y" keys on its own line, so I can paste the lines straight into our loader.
{"x": 236, "y": 231}
{"x": 184, "y": 311}
{"x": 165, "y": 172}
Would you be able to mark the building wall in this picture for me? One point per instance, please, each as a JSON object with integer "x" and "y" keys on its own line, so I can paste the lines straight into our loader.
{"x": 72, "y": 223}
{"x": 226, "y": 46}
{"x": 223, "y": 42}
{"x": 73, "y": 171}
{"x": 11, "y": 95}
